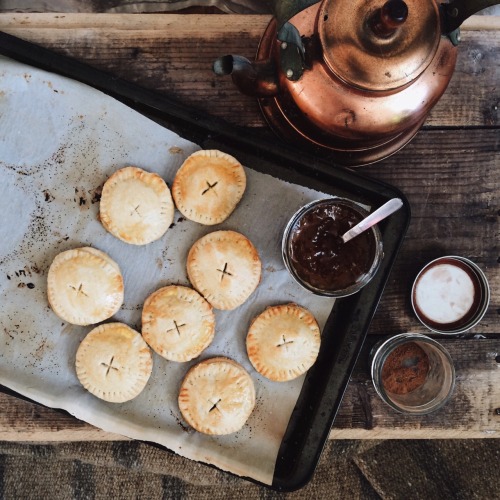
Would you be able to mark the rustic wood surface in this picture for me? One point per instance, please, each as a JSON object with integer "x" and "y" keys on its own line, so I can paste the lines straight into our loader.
{"x": 449, "y": 172}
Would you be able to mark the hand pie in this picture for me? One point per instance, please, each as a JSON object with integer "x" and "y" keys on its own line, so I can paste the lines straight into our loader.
{"x": 177, "y": 323}
{"x": 208, "y": 186}
{"x": 225, "y": 268}
{"x": 217, "y": 396}
{"x": 283, "y": 342}
{"x": 113, "y": 362}
{"x": 136, "y": 206}
{"x": 84, "y": 286}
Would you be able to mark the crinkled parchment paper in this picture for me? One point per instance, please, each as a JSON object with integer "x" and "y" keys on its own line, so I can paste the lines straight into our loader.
{"x": 59, "y": 141}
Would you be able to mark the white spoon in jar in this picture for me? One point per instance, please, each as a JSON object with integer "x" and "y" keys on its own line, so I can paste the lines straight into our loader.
{"x": 374, "y": 218}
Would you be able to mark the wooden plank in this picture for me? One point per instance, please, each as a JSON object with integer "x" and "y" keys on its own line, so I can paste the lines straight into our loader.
{"x": 473, "y": 411}
{"x": 22, "y": 420}
{"x": 451, "y": 178}
{"x": 171, "y": 54}
{"x": 481, "y": 23}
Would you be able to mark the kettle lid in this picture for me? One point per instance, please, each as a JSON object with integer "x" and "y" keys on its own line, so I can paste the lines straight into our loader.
{"x": 377, "y": 44}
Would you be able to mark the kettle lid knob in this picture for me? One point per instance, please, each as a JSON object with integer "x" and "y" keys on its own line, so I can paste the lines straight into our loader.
{"x": 389, "y": 18}
{"x": 377, "y": 44}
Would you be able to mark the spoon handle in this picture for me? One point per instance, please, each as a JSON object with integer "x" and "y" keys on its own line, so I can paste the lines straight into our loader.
{"x": 381, "y": 213}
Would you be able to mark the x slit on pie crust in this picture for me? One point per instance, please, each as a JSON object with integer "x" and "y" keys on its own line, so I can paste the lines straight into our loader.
{"x": 208, "y": 186}
{"x": 225, "y": 268}
{"x": 84, "y": 286}
{"x": 114, "y": 363}
{"x": 283, "y": 342}
{"x": 217, "y": 396}
{"x": 177, "y": 323}
{"x": 136, "y": 206}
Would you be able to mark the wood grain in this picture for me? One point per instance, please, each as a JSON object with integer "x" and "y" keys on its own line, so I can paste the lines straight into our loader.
{"x": 452, "y": 180}
{"x": 472, "y": 412}
{"x": 29, "y": 422}
{"x": 170, "y": 53}
{"x": 449, "y": 172}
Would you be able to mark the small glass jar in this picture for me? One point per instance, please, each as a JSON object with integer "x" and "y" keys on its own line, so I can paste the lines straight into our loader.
{"x": 412, "y": 373}
{"x": 450, "y": 295}
{"x": 363, "y": 253}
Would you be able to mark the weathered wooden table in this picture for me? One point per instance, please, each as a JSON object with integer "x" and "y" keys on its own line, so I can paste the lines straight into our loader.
{"x": 450, "y": 173}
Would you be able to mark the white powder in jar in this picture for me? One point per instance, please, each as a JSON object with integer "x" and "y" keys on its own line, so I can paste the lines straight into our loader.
{"x": 444, "y": 293}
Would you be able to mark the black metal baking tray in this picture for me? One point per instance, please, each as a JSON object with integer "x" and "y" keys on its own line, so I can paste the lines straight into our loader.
{"x": 347, "y": 325}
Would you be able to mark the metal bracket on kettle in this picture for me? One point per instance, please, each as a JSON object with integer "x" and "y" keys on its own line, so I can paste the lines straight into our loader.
{"x": 292, "y": 52}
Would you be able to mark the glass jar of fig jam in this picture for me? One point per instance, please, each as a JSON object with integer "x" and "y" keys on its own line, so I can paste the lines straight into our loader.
{"x": 316, "y": 256}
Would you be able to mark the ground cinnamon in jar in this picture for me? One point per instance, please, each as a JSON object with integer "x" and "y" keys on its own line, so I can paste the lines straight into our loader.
{"x": 405, "y": 369}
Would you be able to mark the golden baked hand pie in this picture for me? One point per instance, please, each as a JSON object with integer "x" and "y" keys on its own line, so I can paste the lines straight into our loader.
{"x": 208, "y": 186}
{"x": 177, "y": 323}
{"x": 283, "y": 342}
{"x": 225, "y": 268}
{"x": 113, "y": 362}
{"x": 136, "y": 206}
{"x": 217, "y": 396}
{"x": 84, "y": 286}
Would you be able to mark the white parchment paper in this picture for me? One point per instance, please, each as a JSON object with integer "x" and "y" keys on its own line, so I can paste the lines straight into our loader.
{"x": 59, "y": 141}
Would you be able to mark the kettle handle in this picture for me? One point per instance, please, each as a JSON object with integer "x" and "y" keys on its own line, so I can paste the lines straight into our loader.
{"x": 453, "y": 14}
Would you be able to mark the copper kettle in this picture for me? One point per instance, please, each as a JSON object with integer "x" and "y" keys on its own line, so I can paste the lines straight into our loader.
{"x": 357, "y": 77}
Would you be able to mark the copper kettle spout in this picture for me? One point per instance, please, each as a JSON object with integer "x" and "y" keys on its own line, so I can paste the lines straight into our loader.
{"x": 257, "y": 79}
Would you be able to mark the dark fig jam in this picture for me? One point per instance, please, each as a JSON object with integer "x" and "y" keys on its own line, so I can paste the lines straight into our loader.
{"x": 318, "y": 254}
